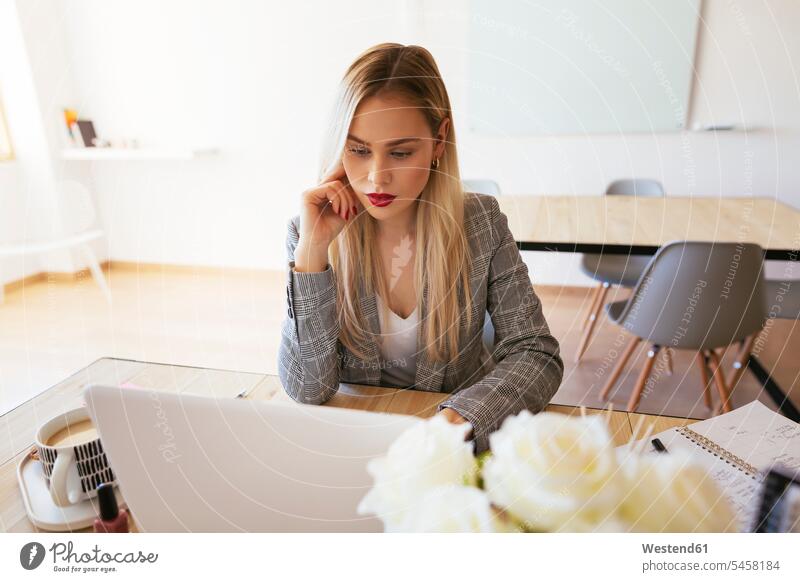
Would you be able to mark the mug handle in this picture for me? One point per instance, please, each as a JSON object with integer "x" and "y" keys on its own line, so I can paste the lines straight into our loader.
{"x": 58, "y": 479}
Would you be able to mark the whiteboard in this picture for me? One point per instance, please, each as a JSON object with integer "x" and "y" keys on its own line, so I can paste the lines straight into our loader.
{"x": 580, "y": 66}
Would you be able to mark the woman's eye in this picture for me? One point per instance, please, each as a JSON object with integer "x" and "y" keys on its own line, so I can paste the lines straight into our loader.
{"x": 358, "y": 151}
{"x": 363, "y": 152}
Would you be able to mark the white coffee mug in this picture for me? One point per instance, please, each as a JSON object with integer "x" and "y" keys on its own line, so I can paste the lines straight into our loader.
{"x": 72, "y": 457}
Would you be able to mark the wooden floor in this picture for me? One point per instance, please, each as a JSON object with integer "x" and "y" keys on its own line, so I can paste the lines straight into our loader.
{"x": 231, "y": 319}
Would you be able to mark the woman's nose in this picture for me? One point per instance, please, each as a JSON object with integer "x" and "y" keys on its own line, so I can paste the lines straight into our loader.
{"x": 378, "y": 175}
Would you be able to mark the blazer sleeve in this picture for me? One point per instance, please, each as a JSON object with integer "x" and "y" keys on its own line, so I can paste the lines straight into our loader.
{"x": 308, "y": 357}
{"x": 529, "y": 368}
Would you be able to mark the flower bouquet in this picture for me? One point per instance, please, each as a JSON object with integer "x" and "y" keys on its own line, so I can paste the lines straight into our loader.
{"x": 543, "y": 473}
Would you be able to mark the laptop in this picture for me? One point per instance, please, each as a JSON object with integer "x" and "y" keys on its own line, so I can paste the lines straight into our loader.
{"x": 187, "y": 463}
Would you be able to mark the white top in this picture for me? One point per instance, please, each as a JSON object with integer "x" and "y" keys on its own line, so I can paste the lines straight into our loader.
{"x": 398, "y": 346}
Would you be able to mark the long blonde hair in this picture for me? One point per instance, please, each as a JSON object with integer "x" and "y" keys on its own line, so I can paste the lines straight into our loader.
{"x": 442, "y": 260}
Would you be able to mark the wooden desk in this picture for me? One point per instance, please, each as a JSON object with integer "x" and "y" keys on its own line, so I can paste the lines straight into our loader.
{"x": 638, "y": 225}
{"x": 20, "y": 424}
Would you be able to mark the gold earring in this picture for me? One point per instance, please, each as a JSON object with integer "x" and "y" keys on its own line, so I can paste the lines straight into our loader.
{"x": 435, "y": 164}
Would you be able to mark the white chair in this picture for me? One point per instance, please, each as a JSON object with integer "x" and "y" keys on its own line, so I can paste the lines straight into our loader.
{"x": 78, "y": 215}
{"x": 489, "y": 187}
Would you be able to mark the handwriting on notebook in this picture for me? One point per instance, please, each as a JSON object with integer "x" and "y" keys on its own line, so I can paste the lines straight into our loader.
{"x": 755, "y": 434}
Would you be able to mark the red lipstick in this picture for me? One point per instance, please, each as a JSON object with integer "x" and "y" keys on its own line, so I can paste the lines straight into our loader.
{"x": 381, "y": 199}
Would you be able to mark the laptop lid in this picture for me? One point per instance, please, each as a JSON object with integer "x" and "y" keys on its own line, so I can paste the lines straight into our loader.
{"x": 193, "y": 463}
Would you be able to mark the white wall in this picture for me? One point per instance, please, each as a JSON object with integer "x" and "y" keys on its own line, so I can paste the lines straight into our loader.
{"x": 746, "y": 58}
{"x": 257, "y": 83}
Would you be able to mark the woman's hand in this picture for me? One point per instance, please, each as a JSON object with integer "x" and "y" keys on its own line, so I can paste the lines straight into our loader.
{"x": 452, "y": 416}
{"x": 325, "y": 209}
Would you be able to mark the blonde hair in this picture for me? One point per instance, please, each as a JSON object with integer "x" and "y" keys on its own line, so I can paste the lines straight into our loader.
{"x": 441, "y": 261}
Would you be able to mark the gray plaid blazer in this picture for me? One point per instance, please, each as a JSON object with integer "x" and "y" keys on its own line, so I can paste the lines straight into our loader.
{"x": 523, "y": 371}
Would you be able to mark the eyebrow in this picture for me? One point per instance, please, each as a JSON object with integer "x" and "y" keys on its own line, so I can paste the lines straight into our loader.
{"x": 388, "y": 143}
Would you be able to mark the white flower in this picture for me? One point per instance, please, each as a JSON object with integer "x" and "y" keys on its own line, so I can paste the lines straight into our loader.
{"x": 429, "y": 454}
{"x": 673, "y": 493}
{"x": 553, "y": 472}
{"x": 453, "y": 509}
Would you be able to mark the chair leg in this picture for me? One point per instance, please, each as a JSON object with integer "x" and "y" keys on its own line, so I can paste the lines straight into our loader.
{"x": 636, "y": 396}
{"x": 668, "y": 359}
{"x": 97, "y": 272}
{"x": 626, "y": 355}
{"x": 719, "y": 380}
{"x": 597, "y": 306}
{"x": 740, "y": 364}
{"x": 703, "y": 365}
{"x": 739, "y": 351}
{"x": 592, "y": 306}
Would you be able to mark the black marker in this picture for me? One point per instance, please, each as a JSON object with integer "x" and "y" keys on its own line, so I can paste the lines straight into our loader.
{"x": 659, "y": 446}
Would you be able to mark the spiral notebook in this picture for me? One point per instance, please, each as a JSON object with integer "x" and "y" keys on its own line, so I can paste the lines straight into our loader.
{"x": 740, "y": 447}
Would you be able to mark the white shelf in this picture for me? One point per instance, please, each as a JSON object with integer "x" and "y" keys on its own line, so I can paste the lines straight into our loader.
{"x": 135, "y": 153}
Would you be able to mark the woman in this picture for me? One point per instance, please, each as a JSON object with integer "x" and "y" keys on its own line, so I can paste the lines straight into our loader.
{"x": 384, "y": 249}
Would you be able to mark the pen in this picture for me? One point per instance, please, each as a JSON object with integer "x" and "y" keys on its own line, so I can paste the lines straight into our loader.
{"x": 659, "y": 445}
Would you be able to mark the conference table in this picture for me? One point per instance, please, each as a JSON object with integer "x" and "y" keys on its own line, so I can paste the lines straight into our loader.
{"x": 20, "y": 424}
{"x": 637, "y": 225}
{"x": 641, "y": 225}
